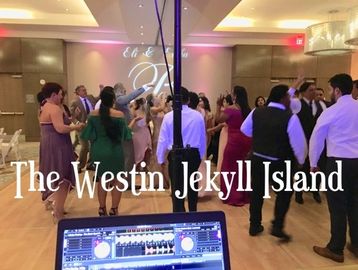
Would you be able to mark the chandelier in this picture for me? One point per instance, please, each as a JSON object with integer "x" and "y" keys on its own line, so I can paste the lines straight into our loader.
{"x": 327, "y": 38}
{"x": 352, "y": 27}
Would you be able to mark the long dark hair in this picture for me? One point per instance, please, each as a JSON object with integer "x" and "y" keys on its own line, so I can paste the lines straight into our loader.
{"x": 139, "y": 102}
{"x": 242, "y": 100}
{"x": 228, "y": 99}
{"x": 206, "y": 104}
{"x": 107, "y": 100}
{"x": 150, "y": 103}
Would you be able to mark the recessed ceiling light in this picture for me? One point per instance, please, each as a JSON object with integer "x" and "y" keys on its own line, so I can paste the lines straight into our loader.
{"x": 141, "y": 33}
{"x": 236, "y": 22}
{"x": 67, "y": 9}
{"x": 141, "y": 27}
{"x": 185, "y": 8}
{"x": 6, "y": 13}
{"x": 140, "y": 5}
{"x": 142, "y": 43}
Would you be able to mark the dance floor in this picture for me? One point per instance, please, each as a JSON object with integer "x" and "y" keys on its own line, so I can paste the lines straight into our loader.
{"x": 28, "y": 234}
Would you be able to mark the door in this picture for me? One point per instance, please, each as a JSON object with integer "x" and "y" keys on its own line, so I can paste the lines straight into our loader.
{"x": 11, "y": 103}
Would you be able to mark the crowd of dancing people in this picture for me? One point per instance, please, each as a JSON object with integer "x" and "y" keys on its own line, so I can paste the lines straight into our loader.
{"x": 121, "y": 130}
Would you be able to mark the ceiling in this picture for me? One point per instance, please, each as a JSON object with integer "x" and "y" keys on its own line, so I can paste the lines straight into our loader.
{"x": 204, "y": 22}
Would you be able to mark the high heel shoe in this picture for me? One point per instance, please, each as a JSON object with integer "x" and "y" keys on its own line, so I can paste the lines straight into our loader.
{"x": 56, "y": 217}
{"x": 48, "y": 201}
{"x": 113, "y": 211}
{"x": 48, "y": 205}
{"x": 102, "y": 211}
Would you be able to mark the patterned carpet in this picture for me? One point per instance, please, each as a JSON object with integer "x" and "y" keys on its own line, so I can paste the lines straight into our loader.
{"x": 28, "y": 151}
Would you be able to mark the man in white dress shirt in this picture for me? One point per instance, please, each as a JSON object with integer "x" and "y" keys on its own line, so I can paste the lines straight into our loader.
{"x": 194, "y": 135}
{"x": 338, "y": 126}
{"x": 277, "y": 136}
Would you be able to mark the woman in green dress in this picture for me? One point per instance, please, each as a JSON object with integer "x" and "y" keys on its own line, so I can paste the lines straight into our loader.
{"x": 106, "y": 130}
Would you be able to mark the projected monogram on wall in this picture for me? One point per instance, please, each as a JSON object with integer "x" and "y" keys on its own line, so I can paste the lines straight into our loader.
{"x": 151, "y": 72}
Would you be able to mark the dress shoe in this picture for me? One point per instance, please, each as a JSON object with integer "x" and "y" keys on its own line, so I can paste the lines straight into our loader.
{"x": 298, "y": 198}
{"x": 256, "y": 230}
{"x": 281, "y": 234}
{"x": 325, "y": 252}
{"x": 353, "y": 249}
{"x": 317, "y": 197}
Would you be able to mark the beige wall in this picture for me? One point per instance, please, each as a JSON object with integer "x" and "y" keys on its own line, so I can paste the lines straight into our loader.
{"x": 206, "y": 69}
{"x": 31, "y": 60}
{"x": 259, "y": 67}
{"x": 354, "y": 66}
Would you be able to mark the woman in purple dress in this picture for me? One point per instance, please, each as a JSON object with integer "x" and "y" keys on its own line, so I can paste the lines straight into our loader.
{"x": 237, "y": 147}
{"x": 56, "y": 153}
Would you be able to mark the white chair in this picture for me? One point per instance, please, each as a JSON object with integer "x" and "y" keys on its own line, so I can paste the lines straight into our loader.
{"x": 2, "y": 133}
{"x": 12, "y": 145}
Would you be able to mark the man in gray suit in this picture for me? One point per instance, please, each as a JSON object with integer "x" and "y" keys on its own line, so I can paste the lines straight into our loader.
{"x": 80, "y": 108}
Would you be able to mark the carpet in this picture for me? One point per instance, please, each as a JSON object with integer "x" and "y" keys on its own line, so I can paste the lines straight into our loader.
{"x": 28, "y": 151}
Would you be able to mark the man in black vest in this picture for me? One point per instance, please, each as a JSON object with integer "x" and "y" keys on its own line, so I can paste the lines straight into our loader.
{"x": 308, "y": 115}
{"x": 277, "y": 136}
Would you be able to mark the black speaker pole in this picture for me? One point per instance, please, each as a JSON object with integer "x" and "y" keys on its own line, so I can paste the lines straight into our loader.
{"x": 178, "y": 141}
{"x": 177, "y": 154}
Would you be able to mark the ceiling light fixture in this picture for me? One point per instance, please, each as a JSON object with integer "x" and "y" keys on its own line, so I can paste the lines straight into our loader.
{"x": 352, "y": 27}
{"x": 185, "y": 8}
{"x": 326, "y": 39}
{"x": 234, "y": 22}
{"x": 6, "y": 13}
{"x": 140, "y": 5}
{"x": 141, "y": 33}
{"x": 141, "y": 27}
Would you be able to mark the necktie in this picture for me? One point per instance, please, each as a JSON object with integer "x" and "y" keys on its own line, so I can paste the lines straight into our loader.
{"x": 87, "y": 107}
{"x": 311, "y": 107}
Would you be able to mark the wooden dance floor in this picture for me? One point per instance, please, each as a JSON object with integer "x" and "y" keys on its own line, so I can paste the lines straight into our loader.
{"x": 28, "y": 234}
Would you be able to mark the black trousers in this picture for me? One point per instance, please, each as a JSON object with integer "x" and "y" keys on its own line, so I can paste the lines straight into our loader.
{"x": 343, "y": 205}
{"x": 176, "y": 171}
{"x": 283, "y": 198}
{"x": 307, "y": 169}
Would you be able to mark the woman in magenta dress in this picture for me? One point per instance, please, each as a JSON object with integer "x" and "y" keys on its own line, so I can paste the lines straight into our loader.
{"x": 237, "y": 147}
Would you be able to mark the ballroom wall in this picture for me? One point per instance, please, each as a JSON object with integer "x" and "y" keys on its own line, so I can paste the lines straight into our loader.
{"x": 354, "y": 66}
{"x": 213, "y": 70}
{"x": 259, "y": 67}
{"x": 204, "y": 69}
{"x": 23, "y": 63}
